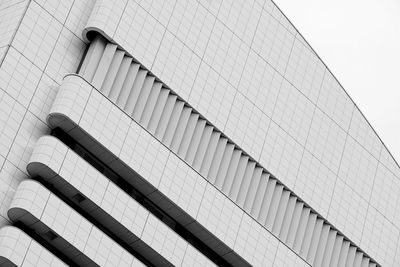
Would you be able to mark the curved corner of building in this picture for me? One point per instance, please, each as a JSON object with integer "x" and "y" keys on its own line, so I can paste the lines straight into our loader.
{"x": 46, "y": 157}
{"x": 69, "y": 103}
{"x": 103, "y": 20}
{"x": 90, "y": 32}
{"x": 55, "y": 119}
{"x": 29, "y": 198}
{"x": 15, "y": 213}
{"x": 18, "y": 249}
{"x": 13, "y": 243}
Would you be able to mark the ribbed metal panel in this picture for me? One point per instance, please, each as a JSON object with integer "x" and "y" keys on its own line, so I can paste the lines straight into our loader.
{"x": 215, "y": 157}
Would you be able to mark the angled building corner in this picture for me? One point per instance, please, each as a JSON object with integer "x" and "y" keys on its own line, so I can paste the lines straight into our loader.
{"x": 183, "y": 133}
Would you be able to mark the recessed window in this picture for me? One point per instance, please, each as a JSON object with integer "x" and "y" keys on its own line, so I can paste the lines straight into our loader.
{"x": 78, "y": 198}
{"x": 50, "y": 235}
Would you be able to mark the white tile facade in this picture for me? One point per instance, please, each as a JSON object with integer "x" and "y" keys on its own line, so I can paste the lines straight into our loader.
{"x": 241, "y": 65}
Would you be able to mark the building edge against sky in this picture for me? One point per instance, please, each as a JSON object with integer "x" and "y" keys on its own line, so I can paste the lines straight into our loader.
{"x": 382, "y": 141}
{"x": 224, "y": 140}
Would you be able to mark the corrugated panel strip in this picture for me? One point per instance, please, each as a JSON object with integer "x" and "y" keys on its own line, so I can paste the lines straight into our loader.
{"x": 221, "y": 162}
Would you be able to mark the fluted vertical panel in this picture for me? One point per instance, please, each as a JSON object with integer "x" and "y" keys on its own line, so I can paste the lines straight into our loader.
{"x": 104, "y": 65}
{"x": 218, "y": 159}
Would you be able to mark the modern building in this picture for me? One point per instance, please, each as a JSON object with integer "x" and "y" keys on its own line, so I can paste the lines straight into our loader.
{"x": 182, "y": 133}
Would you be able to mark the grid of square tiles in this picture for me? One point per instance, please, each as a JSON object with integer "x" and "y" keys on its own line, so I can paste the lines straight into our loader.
{"x": 225, "y": 15}
{"x": 304, "y": 70}
{"x": 77, "y": 175}
{"x": 10, "y": 177}
{"x": 86, "y": 244}
{"x": 11, "y": 13}
{"x": 202, "y": 208}
{"x": 42, "y": 51}
{"x": 99, "y": 39}
{"x": 93, "y": 45}
{"x": 76, "y": 19}
{"x": 28, "y": 82}
{"x": 104, "y": 13}
{"x": 177, "y": 62}
{"x": 139, "y": 31}
{"x": 19, "y": 249}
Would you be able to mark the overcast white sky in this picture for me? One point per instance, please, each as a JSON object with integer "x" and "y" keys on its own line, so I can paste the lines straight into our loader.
{"x": 359, "y": 40}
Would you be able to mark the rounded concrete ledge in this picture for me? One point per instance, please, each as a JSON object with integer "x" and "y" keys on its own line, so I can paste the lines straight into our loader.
{"x": 16, "y": 248}
{"x": 28, "y": 203}
{"x": 90, "y": 32}
{"x": 11, "y": 238}
{"x": 47, "y": 157}
{"x": 70, "y": 102}
{"x": 103, "y": 19}
{"x": 55, "y": 221}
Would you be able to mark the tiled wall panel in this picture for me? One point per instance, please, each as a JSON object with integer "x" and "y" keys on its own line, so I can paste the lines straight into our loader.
{"x": 147, "y": 156}
{"x": 39, "y": 45}
{"x": 18, "y": 249}
{"x": 11, "y": 13}
{"x": 241, "y": 64}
